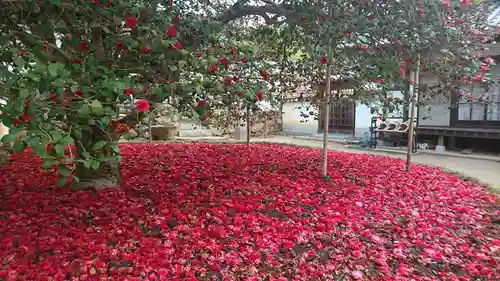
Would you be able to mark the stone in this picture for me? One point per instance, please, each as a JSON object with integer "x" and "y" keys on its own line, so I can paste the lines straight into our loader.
{"x": 164, "y": 132}
{"x": 257, "y": 127}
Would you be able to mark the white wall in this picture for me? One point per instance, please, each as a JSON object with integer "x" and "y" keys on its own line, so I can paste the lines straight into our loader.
{"x": 3, "y": 129}
{"x": 433, "y": 109}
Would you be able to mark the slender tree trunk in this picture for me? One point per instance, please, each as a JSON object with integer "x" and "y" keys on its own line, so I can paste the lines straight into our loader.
{"x": 249, "y": 127}
{"x": 107, "y": 174}
{"x": 411, "y": 129}
{"x": 326, "y": 108}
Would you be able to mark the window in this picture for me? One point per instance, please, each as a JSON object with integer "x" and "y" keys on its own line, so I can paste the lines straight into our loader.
{"x": 485, "y": 105}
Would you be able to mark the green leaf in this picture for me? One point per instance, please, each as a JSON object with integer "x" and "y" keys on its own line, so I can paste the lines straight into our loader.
{"x": 54, "y": 68}
{"x": 105, "y": 122}
{"x": 67, "y": 140}
{"x": 19, "y": 146}
{"x": 87, "y": 164}
{"x": 56, "y": 2}
{"x": 55, "y": 135}
{"x": 9, "y": 137}
{"x": 115, "y": 148}
{"x": 63, "y": 170}
{"x": 33, "y": 76}
{"x": 99, "y": 145}
{"x": 84, "y": 111}
{"x": 76, "y": 179}
{"x": 77, "y": 134}
{"x": 59, "y": 82}
{"x": 95, "y": 165}
{"x": 19, "y": 61}
{"x": 96, "y": 107}
{"x": 49, "y": 163}
{"x": 61, "y": 181}
{"x": 24, "y": 93}
{"x": 59, "y": 148}
{"x": 37, "y": 146}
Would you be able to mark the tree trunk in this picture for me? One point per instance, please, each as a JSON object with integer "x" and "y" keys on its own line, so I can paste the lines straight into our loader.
{"x": 108, "y": 173}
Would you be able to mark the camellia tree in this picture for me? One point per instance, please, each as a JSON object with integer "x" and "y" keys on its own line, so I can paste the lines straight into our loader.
{"x": 68, "y": 67}
{"x": 375, "y": 45}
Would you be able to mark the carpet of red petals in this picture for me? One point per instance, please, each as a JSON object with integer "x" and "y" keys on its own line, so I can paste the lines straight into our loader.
{"x": 258, "y": 213}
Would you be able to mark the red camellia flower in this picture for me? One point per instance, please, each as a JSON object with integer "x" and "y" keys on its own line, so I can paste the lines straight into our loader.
{"x": 380, "y": 80}
{"x": 144, "y": 50}
{"x": 177, "y": 45}
{"x": 324, "y": 60}
{"x": 228, "y": 81}
{"x": 77, "y": 60}
{"x": 244, "y": 60}
{"x": 461, "y": 94}
{"x": 230, "y": 209}
{"x": 260, "y": 96}
{"x": 120, "y": 46}
{"x": 421, "y": 11}
{"x": 214, "y": 67}
{"x": 128, "y": 92}
{"x": 410, "y": 81}
{"x": 199, "y": 54}
{"x": 346, "y": 33}
{"x": 484, "y": 67}
{"x": 264, "y": 75}
{"x": 202, "y": 103}
{"x": 489, "y": 60}
{"x": 79, "y": 93}
{"x": 142, "y": 105}
{"x": 21, "y": 54}
{"x": 172, "y": 32}
{"x": 130, "y": 22}
{"x": 361, "y": 47}
{"x": 83, "y": 46}
{"x": 225, "y": 62}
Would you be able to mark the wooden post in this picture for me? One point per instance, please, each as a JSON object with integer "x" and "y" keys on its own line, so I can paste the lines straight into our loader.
{"x": 150, "y": 121}
{"x": 327, "y": 106}
{"x": 248, "y": 124}
{"x": 411, "y": 129}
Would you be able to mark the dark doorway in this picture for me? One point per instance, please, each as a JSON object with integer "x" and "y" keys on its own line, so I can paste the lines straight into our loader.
{"x": 342, "y": 117}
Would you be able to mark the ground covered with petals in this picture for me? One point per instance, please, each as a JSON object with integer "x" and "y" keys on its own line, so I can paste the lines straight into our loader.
{"x": 232, "y": 212}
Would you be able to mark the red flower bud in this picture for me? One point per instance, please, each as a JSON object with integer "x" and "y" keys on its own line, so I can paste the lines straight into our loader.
{"x": 177, "y": 45}
{"x": 213, "y": 68}
{"x": 260, "y": 96}
{"x": 264, "y": 75}
{"x": 131, "y": 22}
{"x": 172, "y": 32}
{"x": 128, "y": 92}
